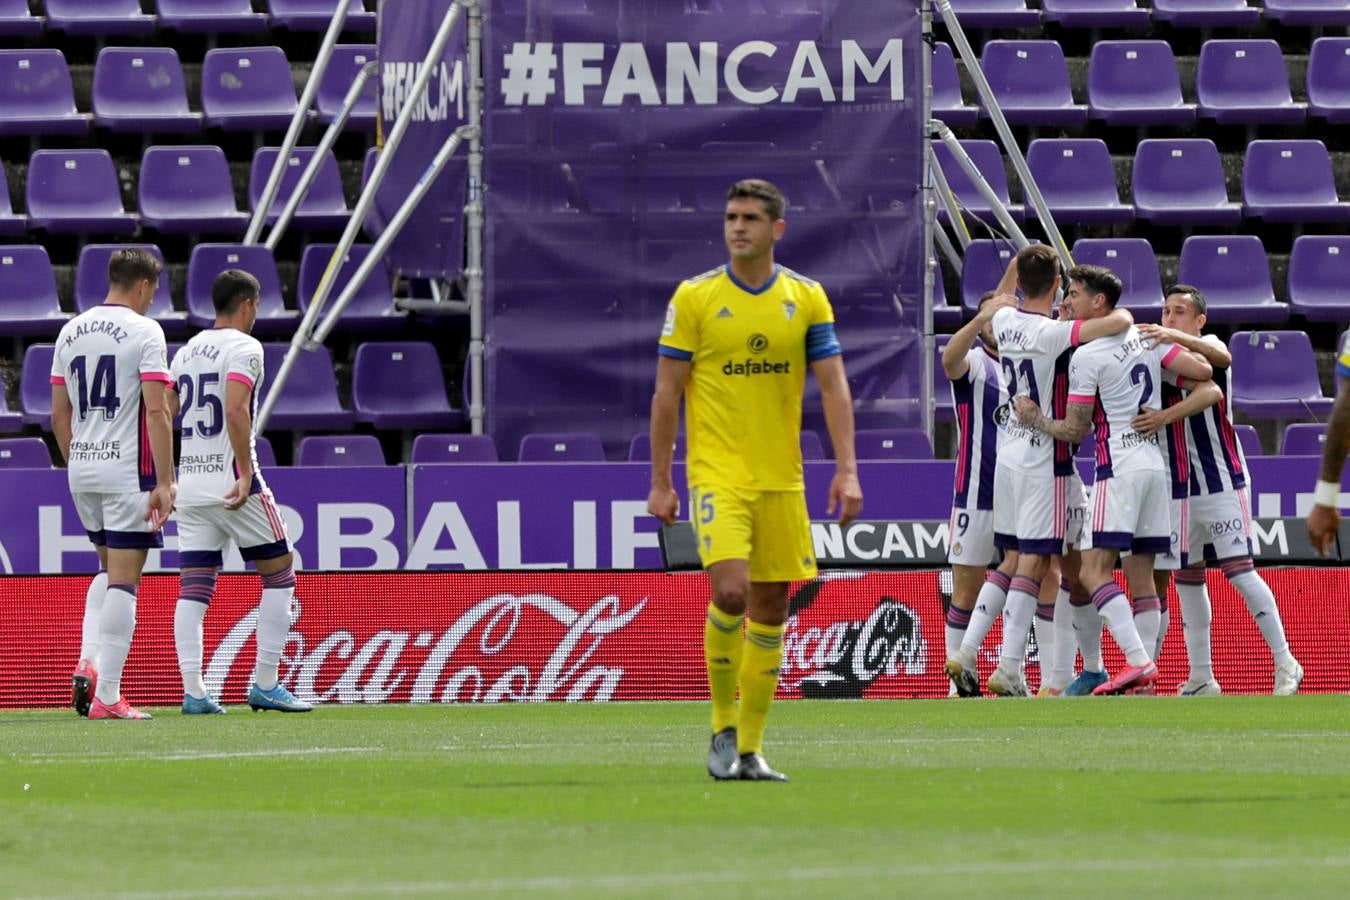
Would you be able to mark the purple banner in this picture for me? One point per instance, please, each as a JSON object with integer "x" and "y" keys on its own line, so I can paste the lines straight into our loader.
{"x": 356, "y": 521}
{"x": 611, "y": 143}
{"x": 432, "y": 242}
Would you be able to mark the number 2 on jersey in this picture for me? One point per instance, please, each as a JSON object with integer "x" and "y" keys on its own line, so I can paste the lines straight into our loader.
{"x": 101, "y": 392}
{"x": 1140, "y": 373}
{"x": 207, "y": 400}
{"x": 1028, "y": 378}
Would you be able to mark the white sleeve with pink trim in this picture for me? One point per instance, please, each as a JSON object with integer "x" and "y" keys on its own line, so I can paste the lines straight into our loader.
{"x": 1083, "y": 377}
{"x": 245, "y": 363}
{"x": 154, "y": 362}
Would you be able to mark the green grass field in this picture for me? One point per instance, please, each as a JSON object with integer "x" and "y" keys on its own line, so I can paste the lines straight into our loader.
{"x": 1132, "y": 797}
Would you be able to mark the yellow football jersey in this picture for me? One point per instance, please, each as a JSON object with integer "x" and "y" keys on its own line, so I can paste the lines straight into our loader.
{"x": 749, "y": 350}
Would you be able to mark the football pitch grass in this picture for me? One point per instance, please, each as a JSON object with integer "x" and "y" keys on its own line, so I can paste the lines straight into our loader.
{"x": 1122, "y": 797}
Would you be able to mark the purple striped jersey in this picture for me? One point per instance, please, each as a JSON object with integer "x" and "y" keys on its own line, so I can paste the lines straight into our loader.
{"x": 1035, "y": 352}
{"x": 1172, "y": 441}
{"x": 1217, "y": 464}
{"x": 977, "y": 396}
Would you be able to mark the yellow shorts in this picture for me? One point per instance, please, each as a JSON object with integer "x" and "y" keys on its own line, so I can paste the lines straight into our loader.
{"x": 771, "y": 529}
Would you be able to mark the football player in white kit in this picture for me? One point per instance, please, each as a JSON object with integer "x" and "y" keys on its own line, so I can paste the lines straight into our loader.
{"x": 112, "y": 422}
{"x": 1036, "y": 486}
{"x": 1220, "y": 512}
{"x": 223, "y": 497}
{"x": 1109, "y": 382}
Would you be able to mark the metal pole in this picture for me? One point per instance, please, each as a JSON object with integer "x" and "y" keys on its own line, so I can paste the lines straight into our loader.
{"x": 973, "y": 173}
{"x": 944, "y": 194}
{"x": 330, "y": 137}
{"x": 929, "y": 217}
{"x": 391, "y": 231}
{"x": 1005, "y": 134}
{"x": 363, "y": 205}
{"x": 948, "y": 249}
{"x": 269, "y": 193}
{"x": 473, "y": 222}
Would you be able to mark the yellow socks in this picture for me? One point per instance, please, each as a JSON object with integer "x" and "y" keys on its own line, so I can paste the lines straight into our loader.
{"x": 722, "y": 646}
{"x": 759, "y": 679}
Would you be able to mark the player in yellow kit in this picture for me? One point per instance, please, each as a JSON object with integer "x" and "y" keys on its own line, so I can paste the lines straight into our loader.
{"x": 736, "y": 344}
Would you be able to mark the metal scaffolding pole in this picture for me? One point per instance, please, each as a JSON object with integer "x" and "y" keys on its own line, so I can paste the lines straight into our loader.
{"x": 976, "y": 178}
{"x": 944, "y": 194}
{"x": 474, "y": 222}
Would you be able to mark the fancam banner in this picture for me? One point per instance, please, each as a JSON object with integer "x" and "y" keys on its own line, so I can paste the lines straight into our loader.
{"x": 457, "y": 637}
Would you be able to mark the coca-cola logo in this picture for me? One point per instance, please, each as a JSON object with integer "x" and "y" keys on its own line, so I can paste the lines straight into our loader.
{"x": 840, "y": 660}
{"x": 529, "y": 647}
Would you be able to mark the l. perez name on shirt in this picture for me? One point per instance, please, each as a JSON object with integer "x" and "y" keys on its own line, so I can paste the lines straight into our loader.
{"x": 95, "y": 451}
{"x": 201, "y": 464}
{"x": 751, "y": 367}
{"x": 104, "y": 327}
{"x": 1128, "y": 350}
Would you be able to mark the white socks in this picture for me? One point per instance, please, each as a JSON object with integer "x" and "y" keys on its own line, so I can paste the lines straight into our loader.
{"x": 1241, "y": 574}
{"x": 1196, "y": 617}
{"x": 1018, "y": 613}
{"x": 1148, "y": 620}
{"x": 1115, "y": 609}
{"x": 274, "y": 625}
{"x": 1087, "y": 628}
{"x": 989, "y": 605}
{"x": 117, "y": 624}
{"x": 187, "y": 638}
{"x": 93, "y": 609}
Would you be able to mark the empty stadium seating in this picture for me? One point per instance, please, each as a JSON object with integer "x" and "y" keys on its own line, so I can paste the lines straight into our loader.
{"x": 24, "y": 453}
{"x": 1275, "y": 376}
{"x": 340, "y": 450}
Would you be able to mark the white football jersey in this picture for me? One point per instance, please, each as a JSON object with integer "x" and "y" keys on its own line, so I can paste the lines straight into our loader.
{"x": 1034, "y": 352}
{"x": 1217, "y": 462}
{"x": 102, "y": 356}
{"x": 1119, "y": 375}
{"x": 201, "y": 370}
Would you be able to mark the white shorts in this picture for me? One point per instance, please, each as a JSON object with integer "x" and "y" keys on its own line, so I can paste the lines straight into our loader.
{"x": 1178, "y": 553}
{"x": 1131, "y": 511}
{"x": 971, "y": 537}
{"x": 117, "y": 521}
{"x": 257, "y": 528}
{"x": 1221, "y": 526}
{"x": 1040, "y": 514}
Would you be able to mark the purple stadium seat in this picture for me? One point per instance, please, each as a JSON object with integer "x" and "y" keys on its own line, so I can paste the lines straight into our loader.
{"x": 988, "y": 159}
{"x": 16, "y": 20}
{"x": 995, "y": 14}
{"x": 324, "y": 206}
{"x": 1234, "y": 275}
{"x": 1078, "y": 181}
{"x": 247, "y": 89}
{"x": 35, "y": 385}
{"x": 1249, "y": 440}
{"x": 1095, "y": 13}
{"x": 1290, "y": 181}
{"x": 342, "y": 70}
{"x": 948, "y": 104}
{"x": 91, "y": 285}
{"x": 29, "y": 304}
{"x": 982, "y": 268}
{"x": 943, "y": 411}
{"x": 188, "y": 190}
{"x": 1245, "y": 82}
{"x": 76, "y": 192}
{"x": 315, "y": 15}
{"x": 1136, "y": 83}
{"x": 1030, "y": 80}
{"x": 454, "y": 448}
{"x": 1275, "y": 376}
{"x": 1206, "y": 13}
{"x": 1133, "y": 261}
{"x": 1308, "y": 12}
{"x": 9, "y": 421}
{"x": 12, "y": 224}
{"x": 36, "y": 94}
{"x": 340, "y": 450}
{"x": 101, "y": 18}
{"x": 1181, "y": 182}
{"x": 946, "y": 317}
{"x": 141, "y": 89}
{"x": 811, "y": 445}
{"x": 371, "y": 308}
{"x": 210, "y": 16}
{"x": 640, "y": 448}
{"x": 574, "y": 446}
{"x": 400, "y": 385}
{"x": 267, "y": 459}
{"x": 1329, "y": 79}
{"x": 209, "y": 260}
{"x": 1300, "y": 439}
{"x": 25, "y": 453}
{"x": 893, "y": 443}
{"x": 309, "y": 401}
{"x": 1319, "y": 270}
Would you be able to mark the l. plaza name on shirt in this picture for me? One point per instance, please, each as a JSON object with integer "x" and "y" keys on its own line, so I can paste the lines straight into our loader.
{"x": 97, "y": 326}
{"x": 210, "y": 351}
{"x": 754, "y": 367}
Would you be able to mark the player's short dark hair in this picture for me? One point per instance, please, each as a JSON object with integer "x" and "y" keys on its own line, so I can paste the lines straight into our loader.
{"x": 1037, "y": 268}
{"x": 1099, "y": 280}
{"x": 1197, "y": 298}
{"x": 986, "y": 297}
{"x": 759, "y": 189}
{"x": 126, "y": 267}
{"x": 232, "y": 287}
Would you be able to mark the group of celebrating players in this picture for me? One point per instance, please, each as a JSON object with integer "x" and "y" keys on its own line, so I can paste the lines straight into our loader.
{"x": 1170, "y": 491}
{"x": 114, "y": 400}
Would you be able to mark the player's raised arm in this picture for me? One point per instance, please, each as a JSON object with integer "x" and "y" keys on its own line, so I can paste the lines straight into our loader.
{"x": 954, "y": 364}
{"x": 1201, "y": 397}
{"x": 1115, "y": 322}
{"x": 1189, "y": 366}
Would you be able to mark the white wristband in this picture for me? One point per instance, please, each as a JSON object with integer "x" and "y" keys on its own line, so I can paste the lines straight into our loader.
{"x": 1326, "y": 494}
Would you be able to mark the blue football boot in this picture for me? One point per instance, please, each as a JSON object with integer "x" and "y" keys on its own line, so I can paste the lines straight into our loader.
{"x": 201, "y": 706}
{"x": 277, "y": 698}
{"x": 1085, "y": 683}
